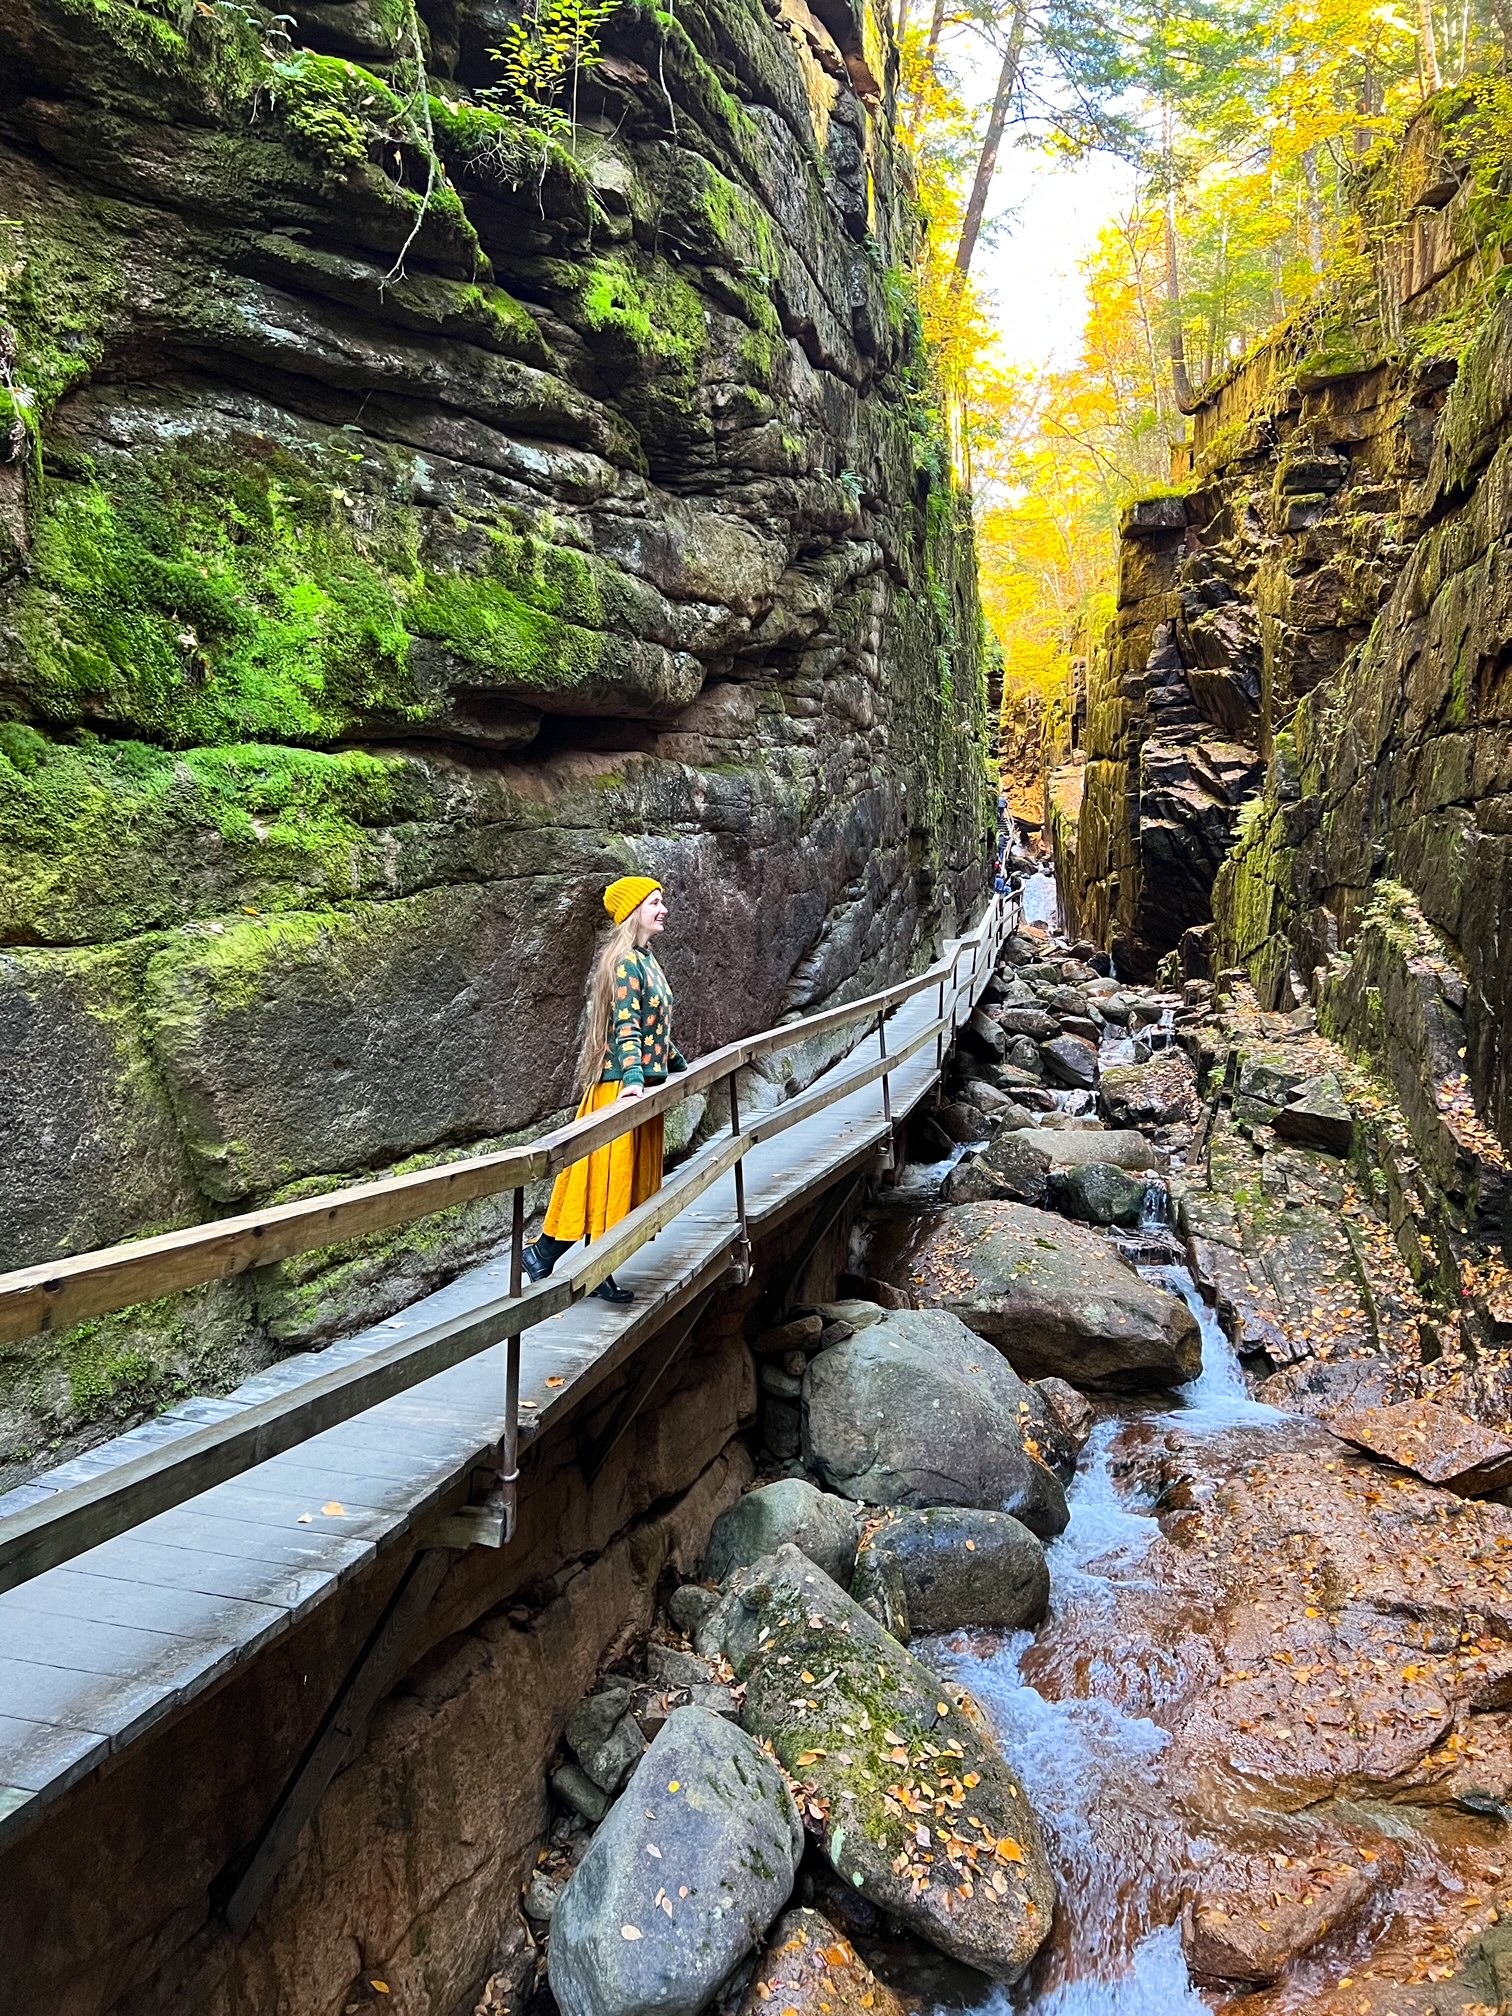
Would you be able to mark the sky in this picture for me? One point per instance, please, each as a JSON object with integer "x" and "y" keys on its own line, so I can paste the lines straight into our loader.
{"x": 1048, "y": 217}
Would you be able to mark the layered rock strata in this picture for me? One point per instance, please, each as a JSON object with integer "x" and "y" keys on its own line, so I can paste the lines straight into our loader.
{"x": 416, "y": 508}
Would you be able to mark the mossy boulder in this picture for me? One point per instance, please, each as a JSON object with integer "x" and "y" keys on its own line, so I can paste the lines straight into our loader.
{"x": 915, "y": 1804}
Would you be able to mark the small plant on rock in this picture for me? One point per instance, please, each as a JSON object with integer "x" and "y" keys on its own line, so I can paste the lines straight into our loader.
{"x": 544, "y": 58}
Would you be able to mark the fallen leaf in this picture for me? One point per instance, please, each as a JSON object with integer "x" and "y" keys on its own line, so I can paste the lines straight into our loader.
{"x": 556, "y": 1380}
{"x": 631, "y": 1932}
{"x": 334, "y": 1510}
{"x": 652, "y": 1849}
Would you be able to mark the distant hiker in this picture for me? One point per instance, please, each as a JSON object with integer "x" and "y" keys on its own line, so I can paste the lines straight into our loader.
{"x": 627, "y": 1049}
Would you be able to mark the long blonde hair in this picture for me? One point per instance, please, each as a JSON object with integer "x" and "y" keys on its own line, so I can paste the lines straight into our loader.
{"x": 618, "y": 945}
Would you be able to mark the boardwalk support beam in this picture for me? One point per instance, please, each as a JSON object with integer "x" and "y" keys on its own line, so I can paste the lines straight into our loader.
{"x": 366, "y": 1684}
{"x": 777, "y": 1297}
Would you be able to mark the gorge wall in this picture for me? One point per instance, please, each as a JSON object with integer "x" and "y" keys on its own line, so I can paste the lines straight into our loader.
{"x": 1297, "y": 754}
{"x": 412, "y": 515}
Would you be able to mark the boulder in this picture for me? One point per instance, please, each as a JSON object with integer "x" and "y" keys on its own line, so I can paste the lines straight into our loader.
{"x": 810, "y": 1969}
{"x": 877, "y": 1586}
{"x": 1435, "y": 1442}
{"x": 1317, "y": 1116}
{"x": 963, "y": 1568}
{"x": 962, "y": 1121}
{"x": 1100, "y": 1193}
{"x": 1054, "y": 1297}
{"x": 1070, "y": 1061}
{"x": 604, "y": 1736}
{"x": 986, "y": 1097}
{"x": 1063, "y": 1147}
{"x": 821, "y": 1526}
{"x": 1072, "y": 1411}
{"x": 1152, "y": 1094}
{"x": 863, "y": 1723}
{"x": 1036, "y": 1022}
{"x": 682, "y": 1879}
{"x": 1008, "y": 1169}
{"x": 983, "y": 1035}
{"x": 914, "y": 1411}
{"x": 1024, "y": 1057}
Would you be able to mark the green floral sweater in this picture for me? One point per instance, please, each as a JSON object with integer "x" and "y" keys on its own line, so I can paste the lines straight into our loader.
{"x": 641, "y": 1050}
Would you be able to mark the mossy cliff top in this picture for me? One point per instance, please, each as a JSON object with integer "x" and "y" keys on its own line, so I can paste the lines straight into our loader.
{"x": 416, "y": 509}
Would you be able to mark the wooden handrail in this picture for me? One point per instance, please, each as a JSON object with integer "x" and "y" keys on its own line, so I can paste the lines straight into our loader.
{"x": 56, "y": 1294}
{"x": 53, "y": 1530}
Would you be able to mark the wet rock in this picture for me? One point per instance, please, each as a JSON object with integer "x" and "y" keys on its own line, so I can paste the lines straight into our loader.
{"x": 962, "y": 1568}
{"x": 1072, "y": 1410}
{"x": 1435, "y": 1442}
{"x": 1053, "y": 1297}
{"x": 1064, "y": 1147}
{"x": 1010, "y": 1168}
{"x": 1253, "y": 1934}
{"x": 1070, "y": 1061}
{"x": 728, "y": 1840}
{"x": 1082, "y": 1026}
{"x": 810, "y": 1969}
{"x": 670, "y": 1666}
{"x": 1099, "y": 1193}
{"x": 914, "y": 1411}
{"x": 543, "y": 1893}
{"x": 1342, "y": 1386}
{"x": 1318, "y": 1116}
{"x": 1152, "y": 1094}
{"x": 842, "y": 1732}
{"x": 1024, "y": 1056}
{"x": 819, "y": 1525}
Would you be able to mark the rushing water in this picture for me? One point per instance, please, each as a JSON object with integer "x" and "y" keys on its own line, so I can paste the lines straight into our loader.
{"x": 1078, "y": 1714}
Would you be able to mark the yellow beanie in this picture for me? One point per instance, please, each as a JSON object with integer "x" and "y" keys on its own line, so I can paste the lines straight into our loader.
{"x": 628, "y": 894}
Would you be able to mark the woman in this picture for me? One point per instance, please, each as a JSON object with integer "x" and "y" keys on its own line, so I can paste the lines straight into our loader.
{"x": 627, "y": 1047}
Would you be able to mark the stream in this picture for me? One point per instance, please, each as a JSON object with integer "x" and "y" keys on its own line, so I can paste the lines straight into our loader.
{"x": 1078, "y": 1709}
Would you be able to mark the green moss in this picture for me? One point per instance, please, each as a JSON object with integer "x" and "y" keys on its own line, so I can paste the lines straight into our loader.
{"x": 222, "y": 601}
{"x": 101, "y": 838}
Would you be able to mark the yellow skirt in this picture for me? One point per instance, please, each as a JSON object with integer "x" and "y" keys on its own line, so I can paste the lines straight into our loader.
{"x": 608, "y": 1184}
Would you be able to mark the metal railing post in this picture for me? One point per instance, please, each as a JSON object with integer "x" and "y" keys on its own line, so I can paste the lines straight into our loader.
{"x": 509, "y": 1455}
{"x": 743, "y": 1242}
{"x": 886, "y": 1076}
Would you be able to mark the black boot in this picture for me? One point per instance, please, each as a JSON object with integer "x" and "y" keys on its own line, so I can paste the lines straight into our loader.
{"x": 539, "y": 1259}
{"x": 610, "y": 1291}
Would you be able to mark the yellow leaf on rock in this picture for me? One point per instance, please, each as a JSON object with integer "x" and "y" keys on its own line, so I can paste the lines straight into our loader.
{"x": 334, "y": 1510}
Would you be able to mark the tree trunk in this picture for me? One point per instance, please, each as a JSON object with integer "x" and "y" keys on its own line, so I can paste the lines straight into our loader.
{"x": 902, "y": 19}
{"x": 1181, "y": 384}
{"x": 936, "y": 28}
{"x": 1428, "y": 45}
{"x": 997, "y": 119}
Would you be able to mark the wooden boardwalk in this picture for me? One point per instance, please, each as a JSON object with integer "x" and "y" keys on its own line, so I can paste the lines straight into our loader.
{"x": 95, "y": 1653}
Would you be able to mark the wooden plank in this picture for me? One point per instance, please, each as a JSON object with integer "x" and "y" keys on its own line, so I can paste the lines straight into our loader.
{"x": 187, "y": 1613}
{"x": 160, "y": 1564}
{"x": 103, "y": 1703}
{"x": 76, "y": 1645}
{"x": 38, "y": 1755}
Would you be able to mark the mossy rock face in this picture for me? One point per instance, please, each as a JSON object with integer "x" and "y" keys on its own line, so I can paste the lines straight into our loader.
{"x": 917, "y": 1806}
{"x": 421, "y": 520}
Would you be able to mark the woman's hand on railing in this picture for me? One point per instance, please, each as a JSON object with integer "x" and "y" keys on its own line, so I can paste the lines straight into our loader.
{"x": 631, "y": 1091}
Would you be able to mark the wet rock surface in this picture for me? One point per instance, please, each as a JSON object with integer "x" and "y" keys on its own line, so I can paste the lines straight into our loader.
{"x": 811, "y": 1969}
{"x": 961, "y": 1567}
